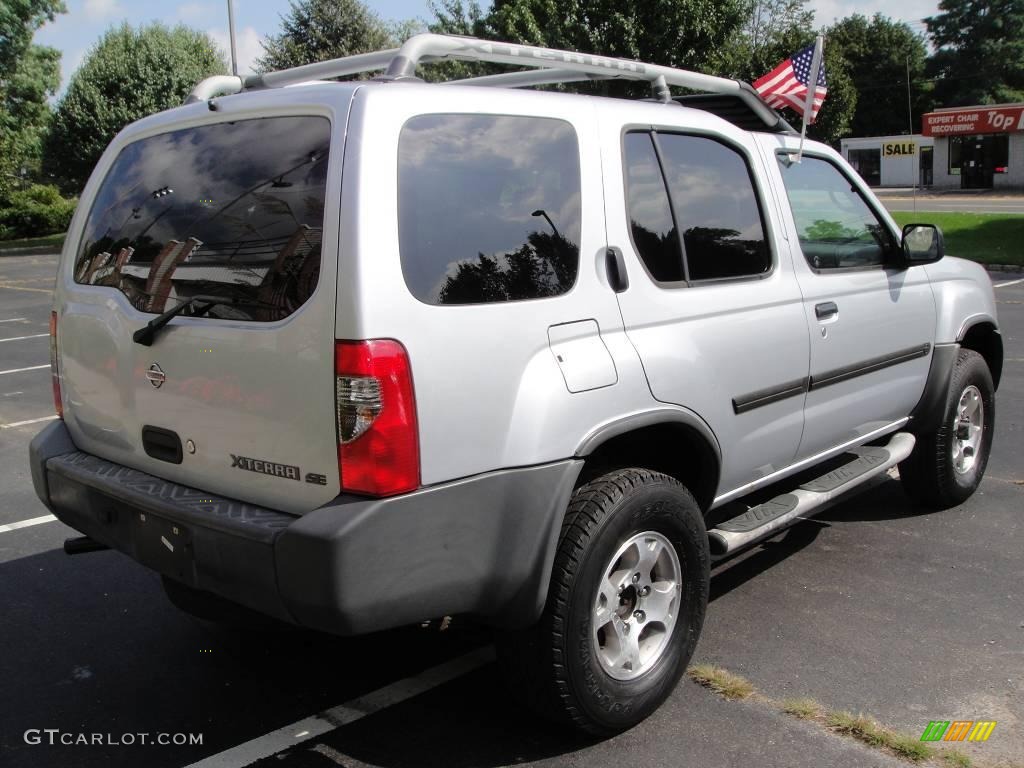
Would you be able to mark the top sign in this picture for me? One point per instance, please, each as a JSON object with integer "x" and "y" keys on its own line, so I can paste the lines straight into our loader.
{"x": 971, "y": 121}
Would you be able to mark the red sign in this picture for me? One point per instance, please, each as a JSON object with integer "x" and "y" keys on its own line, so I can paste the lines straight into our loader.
{"x": 957, "y": 122}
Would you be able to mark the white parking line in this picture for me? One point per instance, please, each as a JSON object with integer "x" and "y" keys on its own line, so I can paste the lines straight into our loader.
{"x": 26, "y": 423}
{"x": 22, "y": 370}
{"x": 27, "y": 523}
{"x": 356, "y": 709}
{"x": 1012, "y": 282}
{"x": 22, "y": 338}
{"x": 13, "y": 320}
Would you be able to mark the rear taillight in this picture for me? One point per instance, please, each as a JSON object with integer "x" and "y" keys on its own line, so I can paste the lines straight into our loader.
{"x": 54, "y": 368}
{"x": 378, "y": 442}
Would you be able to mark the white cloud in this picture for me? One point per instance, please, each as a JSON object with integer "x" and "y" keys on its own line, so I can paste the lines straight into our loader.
{"x": 828, "y": 11}
{"x": 100, "y": 9}
{"x": 247, "y": 43}
{"x": 192, "y": 12}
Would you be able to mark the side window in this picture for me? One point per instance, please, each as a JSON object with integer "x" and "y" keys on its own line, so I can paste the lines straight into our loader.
{"x": 488, "y": 207}
{"x": 835, "y": 225}
{"x": 650, "y": 216}
{"x": 716, "y": 208}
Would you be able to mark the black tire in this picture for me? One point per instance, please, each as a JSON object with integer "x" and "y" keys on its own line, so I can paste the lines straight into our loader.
{"x": 929, "y": 474}
{"x": 553, "y": 666}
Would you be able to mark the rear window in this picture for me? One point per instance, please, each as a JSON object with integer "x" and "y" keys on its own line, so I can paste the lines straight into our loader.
{"x": 488, "y": 208}
{"x": 232, "y": 210}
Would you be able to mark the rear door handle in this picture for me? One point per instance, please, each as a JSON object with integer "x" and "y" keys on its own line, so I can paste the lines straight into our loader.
{"x": 616, "y": 268}
{"x": 826, "y": 309}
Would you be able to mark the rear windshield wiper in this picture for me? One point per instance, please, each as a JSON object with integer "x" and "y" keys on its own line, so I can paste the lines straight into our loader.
{"x": 147, "y": 333}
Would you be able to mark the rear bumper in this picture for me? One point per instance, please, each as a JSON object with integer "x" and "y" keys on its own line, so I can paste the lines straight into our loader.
{"x": 481, "y": 546}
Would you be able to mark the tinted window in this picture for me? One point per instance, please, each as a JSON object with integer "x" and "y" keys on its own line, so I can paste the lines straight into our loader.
{"x": 716, "y": 208}
{"x": 835, "y": 225}
{"x": 488, "y": 208}
{"x": 650, "y": 216}
{"x": 232, "y": 210}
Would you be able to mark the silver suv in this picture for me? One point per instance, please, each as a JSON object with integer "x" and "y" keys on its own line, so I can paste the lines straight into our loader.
{"x": 360, "y": 354}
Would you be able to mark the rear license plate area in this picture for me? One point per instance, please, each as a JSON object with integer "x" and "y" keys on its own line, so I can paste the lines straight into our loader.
{"x": 163, "y": 545}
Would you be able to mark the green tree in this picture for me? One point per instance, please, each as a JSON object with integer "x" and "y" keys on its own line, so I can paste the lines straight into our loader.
{"x": 29, "y": 75}
{"x": 775, "y": 30}
{"x": 19, "y": 20}
{"x": 317, "y": 30}
{"x": 675, "y": 33}
{"x": 877, "y": 52}
{"x": 129, "y": 74}
{"x": 979, "y": 57}
{"x": 668, "y": 32}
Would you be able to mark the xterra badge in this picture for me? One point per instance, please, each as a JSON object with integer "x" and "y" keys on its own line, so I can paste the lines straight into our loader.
{"x": 266, "y": 467}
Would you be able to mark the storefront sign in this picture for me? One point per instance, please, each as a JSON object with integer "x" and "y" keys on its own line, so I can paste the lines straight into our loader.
{"x": 898, "y": 148}
{"x": 973, "y": 121}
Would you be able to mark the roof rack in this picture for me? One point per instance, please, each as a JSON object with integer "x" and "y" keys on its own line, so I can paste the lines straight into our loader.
{"x": 551, "y": 65}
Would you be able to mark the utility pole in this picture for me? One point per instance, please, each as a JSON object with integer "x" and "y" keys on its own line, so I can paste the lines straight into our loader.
{"x": 230, "y": 32}
{"x": 910, "y": 122}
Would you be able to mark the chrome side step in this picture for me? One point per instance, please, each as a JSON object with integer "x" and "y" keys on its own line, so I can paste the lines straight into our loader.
{"x": 812, "y": 497}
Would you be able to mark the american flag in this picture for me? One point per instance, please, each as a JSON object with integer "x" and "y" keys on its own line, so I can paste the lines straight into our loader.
{"x": 786, "y": 85}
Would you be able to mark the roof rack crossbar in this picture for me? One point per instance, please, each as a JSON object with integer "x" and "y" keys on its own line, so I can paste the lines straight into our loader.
{"x": 566, "y": 66}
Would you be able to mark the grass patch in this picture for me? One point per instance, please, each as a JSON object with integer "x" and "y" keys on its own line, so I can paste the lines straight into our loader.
{"x": 721, "y": 681}
{"x": 988, "y": 238}
{"x": 954, "y": 758}
{"x": 803, "y": 708}
{"x": 871, "y": 733}
{"x": 54, "y": 241}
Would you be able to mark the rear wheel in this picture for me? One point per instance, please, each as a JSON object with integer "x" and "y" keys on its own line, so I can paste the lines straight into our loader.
{"x": 625, "y": 607}
{"x": 947, "y": 465}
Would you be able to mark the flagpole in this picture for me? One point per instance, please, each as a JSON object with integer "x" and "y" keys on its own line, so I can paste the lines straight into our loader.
{"x": 812, "y": 91}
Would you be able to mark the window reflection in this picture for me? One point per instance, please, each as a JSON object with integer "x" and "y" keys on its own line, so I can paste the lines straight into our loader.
{"x": 650, "y": 217}
{"x": 232, "y": 210}
{"x": 835, "y": 226}
{"x": 716, "y": 208}
{"x": 489, "y": 208}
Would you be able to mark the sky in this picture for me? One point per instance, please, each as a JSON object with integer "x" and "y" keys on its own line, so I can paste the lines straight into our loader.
{"x": 75, "y": 32}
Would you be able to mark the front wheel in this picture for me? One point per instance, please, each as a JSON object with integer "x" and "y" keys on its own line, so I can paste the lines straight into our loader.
{"x": 947, "y": 465}
{"x": 625, "y": 607}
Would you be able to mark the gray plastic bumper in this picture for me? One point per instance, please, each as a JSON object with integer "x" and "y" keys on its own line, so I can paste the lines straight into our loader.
{"x": 482, "y": 546}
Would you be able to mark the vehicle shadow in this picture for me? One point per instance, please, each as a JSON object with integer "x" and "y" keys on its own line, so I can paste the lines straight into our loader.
{"x": 92, "y": 645}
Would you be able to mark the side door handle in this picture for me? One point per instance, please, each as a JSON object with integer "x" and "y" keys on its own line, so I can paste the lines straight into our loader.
{"x": 616, "y": 269}
{"x": 826, "y": 310}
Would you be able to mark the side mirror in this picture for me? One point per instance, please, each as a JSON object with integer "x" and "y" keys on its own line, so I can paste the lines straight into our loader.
{"x": 922, "y": 244}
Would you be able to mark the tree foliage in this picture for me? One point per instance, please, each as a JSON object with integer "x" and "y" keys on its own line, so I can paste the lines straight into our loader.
{"x": 979, "y": 57}
{"x": 317, "y": 30}
{"x": 19, "y": 20}
{"x": 129, "y": 74}
{"x": 877, "y": 53}
{"x": 775, "y": 30}
{"x": 668, "y": 32}
{"x": 29, "y": 75}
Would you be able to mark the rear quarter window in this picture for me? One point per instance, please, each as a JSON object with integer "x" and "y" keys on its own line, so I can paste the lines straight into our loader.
{"x": 488, "y": 208}
{"x": 233, "y": 210}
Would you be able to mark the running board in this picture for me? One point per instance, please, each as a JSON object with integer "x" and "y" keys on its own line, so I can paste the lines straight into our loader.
{"x": 810, "y": 498}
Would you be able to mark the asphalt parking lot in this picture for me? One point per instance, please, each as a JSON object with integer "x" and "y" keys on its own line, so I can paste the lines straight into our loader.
{"x": 874, "y": 607}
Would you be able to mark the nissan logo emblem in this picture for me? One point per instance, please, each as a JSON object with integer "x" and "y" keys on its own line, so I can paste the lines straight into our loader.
{"x": 156, "y": 376}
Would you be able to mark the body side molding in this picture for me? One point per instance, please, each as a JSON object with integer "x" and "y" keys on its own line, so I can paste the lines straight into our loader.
{"x": 748, "y": 402}
{"x": 847, "y": 372}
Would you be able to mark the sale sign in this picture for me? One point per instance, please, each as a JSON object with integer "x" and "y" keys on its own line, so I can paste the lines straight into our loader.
{"x": 955, "y": 122}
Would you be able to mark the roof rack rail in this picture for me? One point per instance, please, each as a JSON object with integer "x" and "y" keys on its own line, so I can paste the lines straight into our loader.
{"x": 553, "y": 66}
